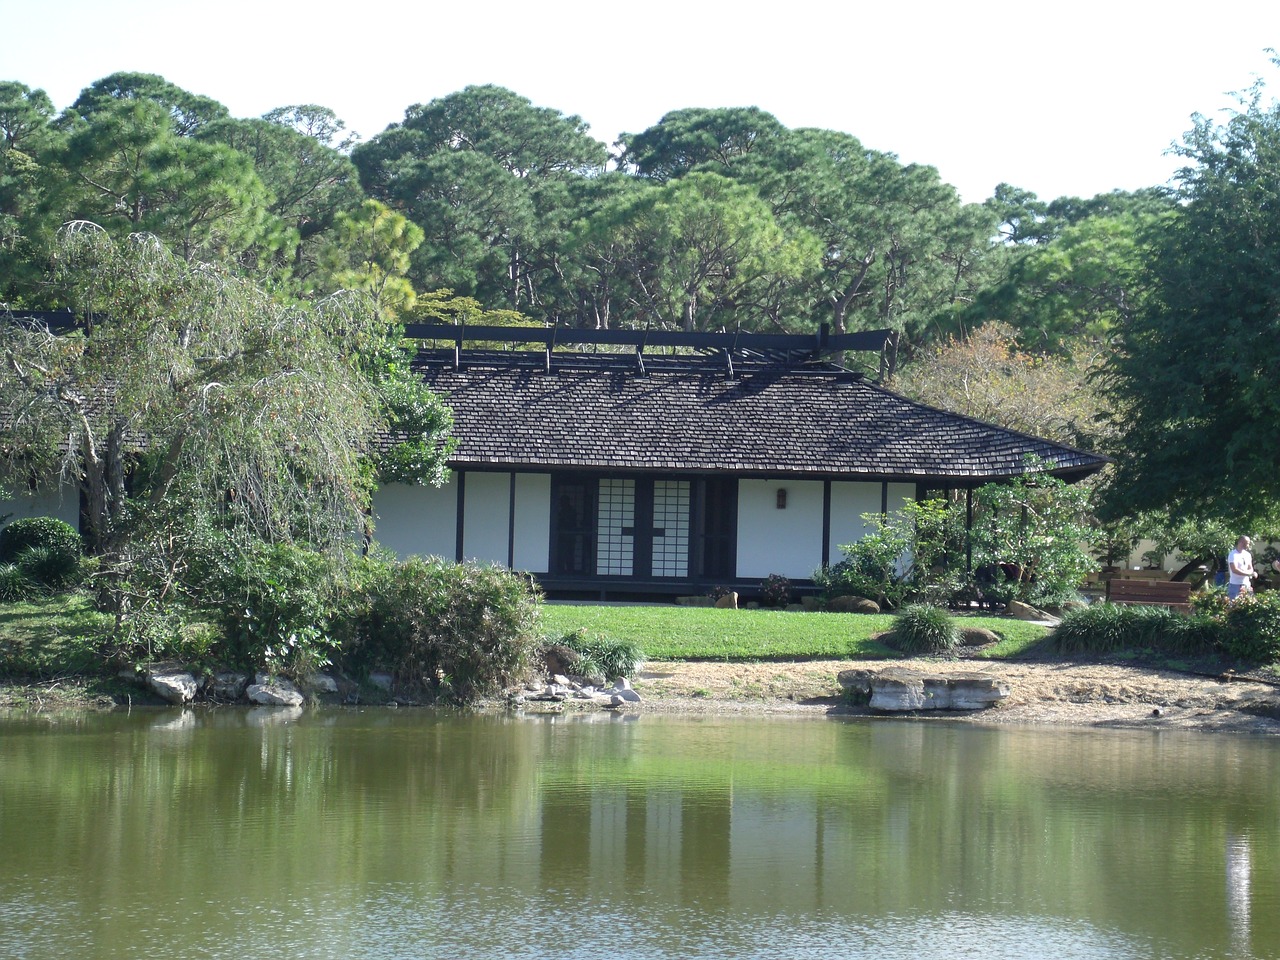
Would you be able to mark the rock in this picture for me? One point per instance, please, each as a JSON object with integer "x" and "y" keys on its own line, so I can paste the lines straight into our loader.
{"x": 851, "y": 604}
{"x": 978, "y": 636}
{"x": 321, "y": 683}
{"x": 728, "y": 602}
{"x": 558, "y": 658}
{"x": 275, "y": 693}
{"x": 795, "y": 607}
{"x": 1024, "y": 611}
{"x": 628, "y": 695}
{"x": 227, "y": 685}
{"x": 178, "y": 687}
{"x": 809, "y": 602}
{"x": 898, "y": 689}
{"x": 381, "y": 680}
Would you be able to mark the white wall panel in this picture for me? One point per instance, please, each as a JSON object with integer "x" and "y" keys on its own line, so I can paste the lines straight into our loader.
{"x": 533, "y": 522}
{"x": 411, "y": 519}
{"x": 849, "y": 501}
{"x": 63, "y": 504}
{"x": 487, "y": 518}
{"x": 770, "y": 540}
{"x": 900, "y": 493}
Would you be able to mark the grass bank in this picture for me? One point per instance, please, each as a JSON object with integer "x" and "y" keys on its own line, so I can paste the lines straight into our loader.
{"x": 53, "y": 648}
{"x": 707, "y": 633}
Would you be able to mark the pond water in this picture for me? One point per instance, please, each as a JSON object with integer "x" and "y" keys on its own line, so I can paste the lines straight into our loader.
{"x": 383, "y": 833}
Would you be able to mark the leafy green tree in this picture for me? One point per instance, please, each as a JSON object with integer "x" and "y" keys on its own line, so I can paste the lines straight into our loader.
{"x": 1083, "y": 283}
{"x": 1022, "y": 218}
{"x": 483, "y": 173}
{"x": 188, "y": 112}
{"x": 897, "y": 246}
{"x": 127, "y": 168}
{"x": 370, "y": 252}
{"x": 697, "y": 253}
{"x": 1196, "y": 380}
{"x": 698, "y": 139}
{"x": 259, "y": 418}
{"x": 26, "y": 136}
{"x": 1040, "y": 528}
{"x": 297, "y": 153}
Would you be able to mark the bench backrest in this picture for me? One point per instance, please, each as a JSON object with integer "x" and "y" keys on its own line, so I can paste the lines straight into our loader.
{"x": 1155, "y": 592}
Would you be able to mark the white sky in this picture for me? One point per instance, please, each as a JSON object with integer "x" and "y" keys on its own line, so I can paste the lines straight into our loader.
{"x": 1070, "y": 97}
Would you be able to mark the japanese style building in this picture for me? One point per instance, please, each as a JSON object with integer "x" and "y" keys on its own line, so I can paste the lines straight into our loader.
{"x": 676, "y": 462}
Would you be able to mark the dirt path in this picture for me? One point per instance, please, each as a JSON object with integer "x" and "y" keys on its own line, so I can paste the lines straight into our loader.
{"x": 1077, "y": 694}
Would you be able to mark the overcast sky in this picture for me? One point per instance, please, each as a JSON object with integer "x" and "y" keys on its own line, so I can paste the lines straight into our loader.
{"x": 1059, "y": 98}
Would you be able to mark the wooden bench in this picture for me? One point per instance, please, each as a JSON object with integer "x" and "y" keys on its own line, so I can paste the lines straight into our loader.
{"x": 1174, "y": 594}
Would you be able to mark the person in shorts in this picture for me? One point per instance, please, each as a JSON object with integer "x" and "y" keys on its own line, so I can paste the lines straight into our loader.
{"x": 1240, "y": 570}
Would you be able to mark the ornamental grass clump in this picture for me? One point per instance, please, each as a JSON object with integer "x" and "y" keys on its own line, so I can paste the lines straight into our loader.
{"x": 923, "y": 629}
{"x": 1106, "y": 628}
{"x": 14, "y": 585}
{"x": 603, "y": 656}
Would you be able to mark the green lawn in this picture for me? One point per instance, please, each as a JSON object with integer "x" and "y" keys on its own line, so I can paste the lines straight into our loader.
{"x": 705, "y": 633}
{"x": 51, "y": 637}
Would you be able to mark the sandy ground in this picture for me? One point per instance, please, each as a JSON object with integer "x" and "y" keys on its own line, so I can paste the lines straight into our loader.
{"x": 1075, "y": 694}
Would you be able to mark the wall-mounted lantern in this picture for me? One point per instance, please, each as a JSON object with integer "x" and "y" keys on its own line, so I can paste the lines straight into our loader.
{"x": 782, "y": 498}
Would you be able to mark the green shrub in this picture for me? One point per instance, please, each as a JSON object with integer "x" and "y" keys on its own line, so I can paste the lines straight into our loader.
{"x": 775, "y": 591}
{"x": 920, "y": 628}
{"x": 1106, "y": 628}
{"x": 911, "y": 554}
{"x": 1251, "y": 628}
{"x": 47, "y": 550}
{"x": 276, "y": 609}
{"x": 39, "y": 532}
{"x": 603, "y": 655}
{"x": 50, "y": 567}
{"x": 460, "y": 629}
{"x": 1210, "y": 601}
{"x": 14, "y": 585}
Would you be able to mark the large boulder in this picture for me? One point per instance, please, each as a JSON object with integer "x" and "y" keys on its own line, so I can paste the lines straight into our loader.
{"x": 274, "y": 692}
{"x": 1024, "y": 611}
{"x": 175, "y": 686}
{"x": 851, "y": 604}
{"x": 228, "y": 685}
{"x": 977, "y": 636}
{"x": 899, "y": 689}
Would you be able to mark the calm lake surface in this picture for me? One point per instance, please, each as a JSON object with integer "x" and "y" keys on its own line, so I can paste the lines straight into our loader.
{"x": 234, "y": 833}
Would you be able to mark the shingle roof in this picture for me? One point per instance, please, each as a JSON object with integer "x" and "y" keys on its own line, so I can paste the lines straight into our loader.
{"x": 816, "y": 421}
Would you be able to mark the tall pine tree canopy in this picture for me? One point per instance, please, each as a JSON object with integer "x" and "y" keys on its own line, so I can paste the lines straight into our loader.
{"x": 1197, "y": 382}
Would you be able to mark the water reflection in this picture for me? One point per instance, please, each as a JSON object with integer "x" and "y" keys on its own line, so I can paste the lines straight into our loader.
{"x": 385, "y": 833}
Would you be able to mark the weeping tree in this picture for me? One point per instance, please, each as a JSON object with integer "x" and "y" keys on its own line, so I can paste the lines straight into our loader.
{"x": 185, "y": 399}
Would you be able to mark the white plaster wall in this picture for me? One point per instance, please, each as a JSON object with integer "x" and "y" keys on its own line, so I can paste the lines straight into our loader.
{"x": 410, "y": 519}
{"x": 533, "y": 522}
{"x": 63, "y": 504}
{"x": 849, "y": 501}
{"x": 770, "y": 540}
{"x": 900, "y": 493}
{"x": 487, "y": 517}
